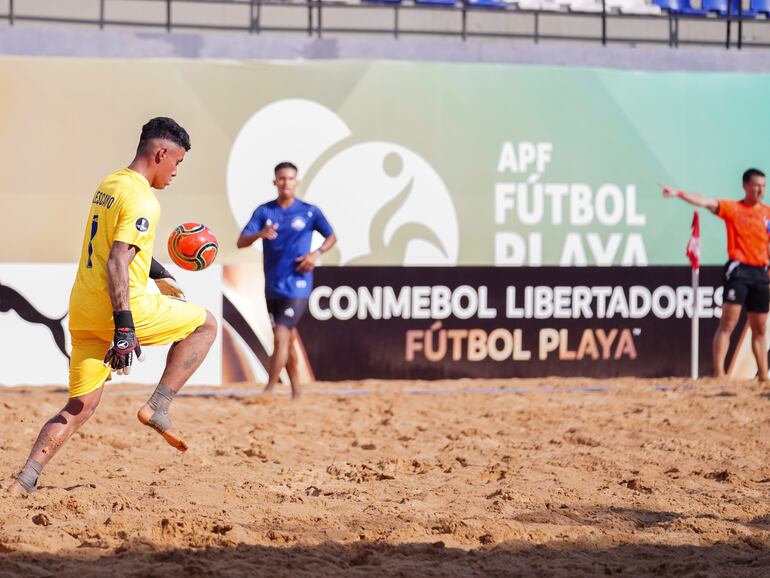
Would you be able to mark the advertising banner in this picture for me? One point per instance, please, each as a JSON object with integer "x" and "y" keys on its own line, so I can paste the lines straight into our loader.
{"x": 429, "y": 323}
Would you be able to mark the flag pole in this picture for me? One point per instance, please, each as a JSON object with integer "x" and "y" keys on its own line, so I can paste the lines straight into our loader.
{"x": 694, "y": 325}
{"x": 693, "y": 253}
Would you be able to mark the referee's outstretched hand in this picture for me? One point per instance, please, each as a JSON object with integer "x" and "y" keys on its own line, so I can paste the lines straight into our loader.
{"x": 668, "y": 191}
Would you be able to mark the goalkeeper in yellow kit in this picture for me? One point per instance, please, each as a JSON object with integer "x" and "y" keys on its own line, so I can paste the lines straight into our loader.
{"x": 112, "y": 316}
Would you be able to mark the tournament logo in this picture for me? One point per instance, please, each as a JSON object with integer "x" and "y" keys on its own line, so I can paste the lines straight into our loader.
{"x": 387, "y": 204}
{"x": 142, "y": 224}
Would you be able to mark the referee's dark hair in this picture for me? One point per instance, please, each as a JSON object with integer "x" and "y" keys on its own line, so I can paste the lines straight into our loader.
{"x": 751, "y": 173}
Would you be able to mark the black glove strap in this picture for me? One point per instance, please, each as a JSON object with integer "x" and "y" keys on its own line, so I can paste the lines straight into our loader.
{"x": 158, "y": 271}
{"x": 123, "y": 320}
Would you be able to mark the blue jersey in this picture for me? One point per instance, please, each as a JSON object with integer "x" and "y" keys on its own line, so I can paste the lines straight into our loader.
{"x": 296, "y": 224}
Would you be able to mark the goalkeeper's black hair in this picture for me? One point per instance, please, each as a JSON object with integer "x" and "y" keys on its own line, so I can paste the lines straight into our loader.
{"x": 164, "y": 128}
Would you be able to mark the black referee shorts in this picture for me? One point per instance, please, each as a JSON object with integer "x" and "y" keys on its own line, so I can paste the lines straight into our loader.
{"x": 747, "y": 285}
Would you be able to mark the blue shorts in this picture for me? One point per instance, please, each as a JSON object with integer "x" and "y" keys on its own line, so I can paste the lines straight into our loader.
{"x": 286, "y": 311}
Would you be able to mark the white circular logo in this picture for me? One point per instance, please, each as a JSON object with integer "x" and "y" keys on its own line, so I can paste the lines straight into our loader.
{"x": 387, "y": 205}
{"x": 142, "y": 224}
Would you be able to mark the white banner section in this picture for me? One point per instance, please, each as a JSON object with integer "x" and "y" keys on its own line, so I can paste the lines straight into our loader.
{"x": 35, "y": 342}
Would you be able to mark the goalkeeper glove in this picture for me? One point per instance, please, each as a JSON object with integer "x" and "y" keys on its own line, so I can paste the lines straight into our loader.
{"x": 165, "y": 281}
{"x": 124, "y": 343}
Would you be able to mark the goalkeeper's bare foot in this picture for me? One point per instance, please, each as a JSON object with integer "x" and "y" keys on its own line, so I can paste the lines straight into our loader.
{"x": 268, "y": 390}
{"x": 16, "y": 489}
{"x": 172, "y": 438}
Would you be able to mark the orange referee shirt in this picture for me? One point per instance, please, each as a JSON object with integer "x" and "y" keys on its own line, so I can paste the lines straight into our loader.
{"x": 747, "y": 234}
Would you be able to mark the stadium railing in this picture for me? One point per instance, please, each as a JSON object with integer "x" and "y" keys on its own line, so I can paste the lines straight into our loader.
{"x": 729, "y": 15}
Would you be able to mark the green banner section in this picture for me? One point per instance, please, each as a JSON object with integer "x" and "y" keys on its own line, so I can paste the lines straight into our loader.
{"x": 413, "y": 163}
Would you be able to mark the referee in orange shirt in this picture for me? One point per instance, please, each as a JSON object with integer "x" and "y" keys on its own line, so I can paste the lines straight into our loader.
{"x": 746, "y": 277}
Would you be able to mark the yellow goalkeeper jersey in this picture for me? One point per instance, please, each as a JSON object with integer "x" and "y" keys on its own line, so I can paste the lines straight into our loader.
{"x": 124, "y": 208}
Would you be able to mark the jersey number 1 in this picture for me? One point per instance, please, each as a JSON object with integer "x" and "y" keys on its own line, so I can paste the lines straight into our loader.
{"x": 94, "y": 227}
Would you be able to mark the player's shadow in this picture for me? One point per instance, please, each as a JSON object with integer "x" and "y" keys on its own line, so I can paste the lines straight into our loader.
{"x": 721, "y": 394}
{"x": 509, "y": 559}
{"x": 598, "y": 516}
{"x": 762, "y": 522}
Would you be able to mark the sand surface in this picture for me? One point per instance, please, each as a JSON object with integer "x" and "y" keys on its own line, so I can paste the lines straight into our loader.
{"x": 543, "y": 478}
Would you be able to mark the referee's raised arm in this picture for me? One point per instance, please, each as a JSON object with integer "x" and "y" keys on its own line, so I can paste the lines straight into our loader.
{"x": 695, "y": 199}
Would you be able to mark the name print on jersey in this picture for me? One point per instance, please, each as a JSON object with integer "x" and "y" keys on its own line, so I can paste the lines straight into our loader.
{"x": 103, "y": 199}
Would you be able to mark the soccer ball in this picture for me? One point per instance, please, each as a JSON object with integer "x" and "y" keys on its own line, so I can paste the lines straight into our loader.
{"x": 192, "y": 246}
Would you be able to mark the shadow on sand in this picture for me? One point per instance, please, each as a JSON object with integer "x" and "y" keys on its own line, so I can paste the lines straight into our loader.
{"x": 740, "y": 558}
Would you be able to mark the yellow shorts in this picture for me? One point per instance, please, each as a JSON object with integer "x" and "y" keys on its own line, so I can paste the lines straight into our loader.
{"x": 158, "y": 319}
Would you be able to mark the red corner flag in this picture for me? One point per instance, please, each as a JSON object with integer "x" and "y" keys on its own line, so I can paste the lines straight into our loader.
{"x": 693, "y": 245}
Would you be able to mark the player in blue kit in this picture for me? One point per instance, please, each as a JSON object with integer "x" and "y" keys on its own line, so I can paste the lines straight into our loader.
{"x": 286, "y": 227}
